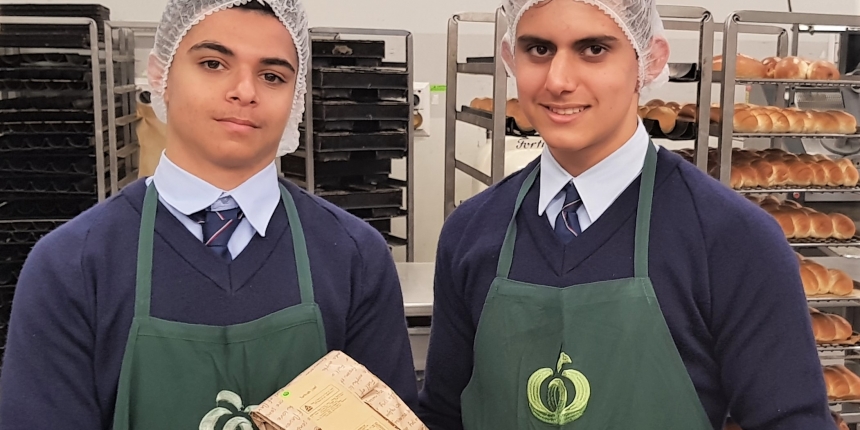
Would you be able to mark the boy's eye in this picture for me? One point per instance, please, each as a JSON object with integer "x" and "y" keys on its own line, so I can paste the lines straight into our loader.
{"x": 272, "y": 78}
{"x": 539, "y": 50}
{"x": 595, "y": 50}
{"x": 212, "y": 64}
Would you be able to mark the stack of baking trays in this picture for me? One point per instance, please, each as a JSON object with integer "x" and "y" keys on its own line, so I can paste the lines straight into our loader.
{"x": 360, "y": 124}
{"x": 48, "y": 159}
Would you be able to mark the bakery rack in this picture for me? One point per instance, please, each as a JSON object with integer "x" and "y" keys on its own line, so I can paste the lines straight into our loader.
{"x": 358, "y": 118}
{"x": 122, "y": 84}
{"x": 738, "y": 22}
{"x": 494, "y": 122}
{"x": 54, "y": 162}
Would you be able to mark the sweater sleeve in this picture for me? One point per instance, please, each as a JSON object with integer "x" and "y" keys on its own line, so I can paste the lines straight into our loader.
{"x": 770, "y": 369}
{"x": 449, "y": 357}
{"x": 48, "y": 379}
{"x": 377, "y": 334}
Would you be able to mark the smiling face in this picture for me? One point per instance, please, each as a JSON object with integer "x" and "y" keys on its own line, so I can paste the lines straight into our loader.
{"x": 577, "y": 77}
{"x": 230, "y": 92}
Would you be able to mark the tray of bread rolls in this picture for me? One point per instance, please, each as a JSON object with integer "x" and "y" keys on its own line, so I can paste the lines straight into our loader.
{"x": 833, "y": 333}
{"x": 776, "y": 170}
{"x": 828, "y": 282}
{"x": 806, "y": 226}
{"x": 754, "y": 121}
{"x": 842, "y": 382}
{"x": 669, "y": 120}
{"x": 516, "y": 123}
{"x": 791, "y": 70}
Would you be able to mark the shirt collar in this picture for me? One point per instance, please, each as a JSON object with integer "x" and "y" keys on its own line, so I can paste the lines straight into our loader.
{"x": 600, "y": 185}
{"x": 257, "y": 197}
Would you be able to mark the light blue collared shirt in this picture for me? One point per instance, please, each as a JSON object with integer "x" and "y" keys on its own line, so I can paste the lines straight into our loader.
{"x": 598, "y": 186}
{"x": 184, "y": 194}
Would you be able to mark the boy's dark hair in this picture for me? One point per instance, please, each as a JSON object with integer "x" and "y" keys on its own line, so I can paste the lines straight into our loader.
{"x": 256, "y": 6}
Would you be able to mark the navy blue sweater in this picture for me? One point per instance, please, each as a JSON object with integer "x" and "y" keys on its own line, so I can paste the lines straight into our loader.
{"x": 726, "y": 279}
{"x": 74, "y": 303}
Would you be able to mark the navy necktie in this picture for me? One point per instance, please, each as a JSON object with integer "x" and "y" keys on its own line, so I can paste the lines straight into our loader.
{"x": 218, "y": 227}
{"x": 567, "y": 223}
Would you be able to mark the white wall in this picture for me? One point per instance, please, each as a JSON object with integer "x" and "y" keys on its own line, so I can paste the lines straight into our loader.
{"x": 427, "y": 20}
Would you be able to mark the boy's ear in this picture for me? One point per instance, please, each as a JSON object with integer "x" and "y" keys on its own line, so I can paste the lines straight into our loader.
{"x": 659, "y": 57}
{"x": 508, "y": 57}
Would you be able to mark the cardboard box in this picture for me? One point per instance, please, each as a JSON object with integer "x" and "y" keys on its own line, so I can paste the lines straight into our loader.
{"x": 335, "y": 393}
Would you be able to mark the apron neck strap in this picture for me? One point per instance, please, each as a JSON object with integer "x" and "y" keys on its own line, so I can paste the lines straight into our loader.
{"x": 643, "y": 212}
{"x": 643, "y": 218}
{"x": 143, "y": 291}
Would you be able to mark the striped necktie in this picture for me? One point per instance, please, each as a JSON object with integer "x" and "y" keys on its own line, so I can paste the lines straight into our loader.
{"x": 218, "y": 227}
{"x": 567, "y": 223}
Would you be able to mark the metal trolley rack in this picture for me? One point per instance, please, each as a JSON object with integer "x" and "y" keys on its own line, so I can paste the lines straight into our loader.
{"x": 309, "y": 151}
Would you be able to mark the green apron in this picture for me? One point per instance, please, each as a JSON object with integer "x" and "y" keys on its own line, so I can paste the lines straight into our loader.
{"x": 184, "y": 376}
{"x": 596, "y": 356}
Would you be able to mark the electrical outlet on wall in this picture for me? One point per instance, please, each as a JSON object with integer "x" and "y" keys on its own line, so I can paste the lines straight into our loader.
{"x": 421, "y": 104}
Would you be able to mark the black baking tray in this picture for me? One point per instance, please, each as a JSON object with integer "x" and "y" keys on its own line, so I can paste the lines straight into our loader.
{"x": 361, "y": 77}
{"x": 9, "y": 273}
{"x": 348, "y": 141}
{"x": 348, "y": 48}
{"x": 40, "y": 85}
{"x": 41, "y": 128}
{"x": 362, "y": 126}
{"x": 684, "y": 72}
{"x": 50, "y": 115}
{"x": 511, "y": 126}
{"x": 684, "y": 130}
{"x": 55, "y": 143}
{"x": 348, "y": 110}
{"x": 33, "y": 163}
{"x": 54, "y": 39}
{"x": 360, "y": 95}
{"x": 293, "y": 165}
{"x": 46, "y": 207}
{"x": 24, "y": 186}
{"x": 16, "y": 252}
{"x": 385, "y": 193}
{"x": 67, "y": 73}
{"x": 369, "y": 214}
{"x": 42, "y": 60}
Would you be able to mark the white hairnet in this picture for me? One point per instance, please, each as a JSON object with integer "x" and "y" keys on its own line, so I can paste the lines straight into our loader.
{"x": 178, "y": 18}
{"x": 638, "y": 19}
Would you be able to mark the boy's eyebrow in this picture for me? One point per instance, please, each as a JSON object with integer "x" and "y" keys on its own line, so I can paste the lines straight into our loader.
{"x": 579, "y": 44}
{"x": 217, "y": 47}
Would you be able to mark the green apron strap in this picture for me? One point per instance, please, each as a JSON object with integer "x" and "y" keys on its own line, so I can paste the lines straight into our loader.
{"x": 506, "y": 256}
{"x": 643, "y": 213}
{"x": 143, "y": 292}
{"x": 300, "y": 248}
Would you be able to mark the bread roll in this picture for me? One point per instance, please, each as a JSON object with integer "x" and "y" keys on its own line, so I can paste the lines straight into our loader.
{"x": 785, "y": 221}
{"x": 655, "y": 103}
{"x": 843, "y": 227}
{"x": 835, "y": 177}
{"x": 675, "y": 106}
{"x": 821, "y": 226}
{"x": 795, "y": 120}
{"x": 791, "y": 68}
{"x": 766, "y": 173}
{"x": 839, "y": 283}
{"x": 822, "y": 276}
{"x": 802, "y": 223}
{"x": 850, "y": 174}
{"x": 716, "y": 114}
{"x": 779, "y": 120}
{"x": 643, "y": 110}
{"x": 664, "y": 116}
{"x": 837, "y": 384}
{"x": 515, "y": 111}
{"x": 819, "y": 176}
{"x": 824, "y": 329}
{"x": 810, "y": 282}
{"x": 482, "y": 103}
{"x": 809, "y": 122}
{"x": 688, "y": 111}
{"x": 799, "y": 173}
{"x": 745, "y": 67}
{"x": 781, "y": 173}
{"x": 853, "y": 382}
{"x": 822, "y": 71}
{"x": 770, "y": 65}
{"x": 846, "y": 123}
{"x": 794, "y": 204}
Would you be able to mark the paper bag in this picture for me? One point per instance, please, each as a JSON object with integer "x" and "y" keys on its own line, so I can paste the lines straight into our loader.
{"x": 152, "y": 135}
{"x": 335, "y": 393}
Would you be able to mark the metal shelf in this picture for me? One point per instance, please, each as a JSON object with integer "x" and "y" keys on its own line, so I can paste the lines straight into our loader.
{"x": 798, "y": 190}
{"x": 480, "y": 119}
{"x": 487, "y": 69}
{"x": 815, "y": 243}
{"x": 309, "y": 153}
